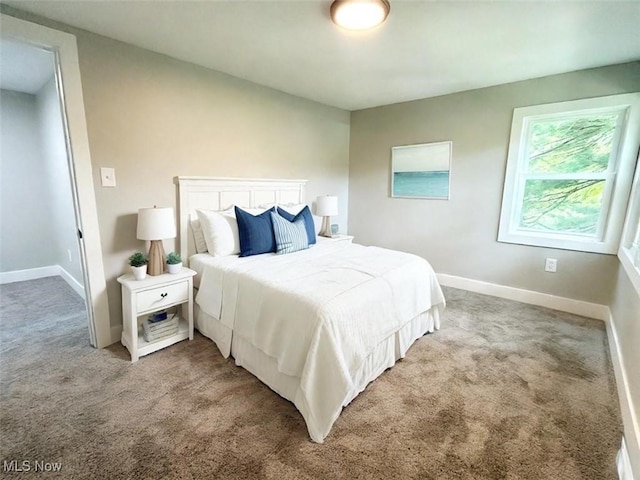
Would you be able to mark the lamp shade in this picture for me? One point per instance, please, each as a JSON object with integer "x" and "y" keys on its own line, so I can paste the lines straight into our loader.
{"x": 156, "y": 223}
{"x": 327, "y": 206}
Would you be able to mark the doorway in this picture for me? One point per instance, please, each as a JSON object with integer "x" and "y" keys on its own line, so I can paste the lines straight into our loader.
{"x": 65, "y": 86}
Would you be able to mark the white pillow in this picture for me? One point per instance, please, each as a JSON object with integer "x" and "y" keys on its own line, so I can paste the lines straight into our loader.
{"x": 198, "y": 236}
{"x": 220, "y": 231}
{"x": 295, "y": 209}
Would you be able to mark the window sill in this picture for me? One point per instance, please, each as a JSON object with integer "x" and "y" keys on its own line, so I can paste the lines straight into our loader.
{"x": 563, "y": 242}
{"x": 633, "y": 272}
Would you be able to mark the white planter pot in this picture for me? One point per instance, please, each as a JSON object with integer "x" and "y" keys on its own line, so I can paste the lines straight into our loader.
{"x": 139, "y": 273}
{"x": 174, "y": 268}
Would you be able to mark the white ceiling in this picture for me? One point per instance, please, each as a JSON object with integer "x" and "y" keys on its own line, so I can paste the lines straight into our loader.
{"x": 24, "y": 68}
{"x": 424, "y": 49}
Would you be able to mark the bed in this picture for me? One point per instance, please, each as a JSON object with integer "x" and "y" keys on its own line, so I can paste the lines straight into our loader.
{"x": 315, "y": 325}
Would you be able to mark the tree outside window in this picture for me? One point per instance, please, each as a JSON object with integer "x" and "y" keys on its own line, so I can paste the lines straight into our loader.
{"x": 569, "y": 173}
{"x": 564, "y": 179}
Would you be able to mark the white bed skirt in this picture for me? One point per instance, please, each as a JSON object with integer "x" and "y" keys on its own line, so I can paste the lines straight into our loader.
{"x": 265, "y": 367}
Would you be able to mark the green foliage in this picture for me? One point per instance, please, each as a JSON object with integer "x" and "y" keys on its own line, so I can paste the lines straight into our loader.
{"x": 173, "y": 258}
{"x": 564, "y": 155}
{"x": 576, "y": 145}
{"x": 138, "y": 259}
{"x": 571, "y": 206}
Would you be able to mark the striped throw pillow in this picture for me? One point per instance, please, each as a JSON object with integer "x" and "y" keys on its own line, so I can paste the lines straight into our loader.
{"x": 290, "y": 236}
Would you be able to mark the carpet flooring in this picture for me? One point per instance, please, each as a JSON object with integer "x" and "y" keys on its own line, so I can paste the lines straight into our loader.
{"x": 503, "y": 391}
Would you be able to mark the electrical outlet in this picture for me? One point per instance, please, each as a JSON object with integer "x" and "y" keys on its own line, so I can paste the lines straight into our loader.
{"x": 551, "y": 265}
{"x": 69, "y": 254}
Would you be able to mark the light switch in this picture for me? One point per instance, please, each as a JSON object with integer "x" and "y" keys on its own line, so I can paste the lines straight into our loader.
{"x": 108, "y": 176}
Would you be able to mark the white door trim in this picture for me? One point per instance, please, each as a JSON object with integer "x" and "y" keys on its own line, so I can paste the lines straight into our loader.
{"x": 68, "y": 76}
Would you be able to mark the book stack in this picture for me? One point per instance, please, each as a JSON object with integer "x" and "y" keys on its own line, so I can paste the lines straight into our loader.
{"x": 159, "y": 325}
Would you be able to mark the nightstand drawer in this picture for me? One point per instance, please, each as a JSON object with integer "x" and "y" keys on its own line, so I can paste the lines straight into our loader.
{"x": 163, "y": 296}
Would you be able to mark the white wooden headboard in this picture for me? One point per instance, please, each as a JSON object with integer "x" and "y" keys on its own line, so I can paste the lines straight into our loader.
{"x": 215, "y": 193}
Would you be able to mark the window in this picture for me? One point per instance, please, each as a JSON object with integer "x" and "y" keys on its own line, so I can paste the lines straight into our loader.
{"x": 629, "y": 253}
{"x": 569, "y": 172}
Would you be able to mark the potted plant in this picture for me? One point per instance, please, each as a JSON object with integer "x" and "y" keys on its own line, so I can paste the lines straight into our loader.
{"x": 174, "y": 262}
{"x": 138, "y": 262}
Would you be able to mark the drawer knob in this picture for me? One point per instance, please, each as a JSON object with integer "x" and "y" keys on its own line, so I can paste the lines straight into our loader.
{"x": 163, "y": 295}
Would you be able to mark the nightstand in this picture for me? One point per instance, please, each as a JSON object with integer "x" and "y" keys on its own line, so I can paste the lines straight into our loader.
{"x": 155, "y": 293}
{"x": 341, "y": 238}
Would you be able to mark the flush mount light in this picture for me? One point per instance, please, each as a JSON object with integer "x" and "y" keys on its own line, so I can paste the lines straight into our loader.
{"x": 359, "y": 14}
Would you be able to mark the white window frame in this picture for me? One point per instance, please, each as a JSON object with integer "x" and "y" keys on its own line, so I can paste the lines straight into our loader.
{"x": 619, "y": 175}
{"x": 629, "y": 253}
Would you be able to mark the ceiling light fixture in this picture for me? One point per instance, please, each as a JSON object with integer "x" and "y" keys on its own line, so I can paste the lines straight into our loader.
{"x": 359, "y": 14}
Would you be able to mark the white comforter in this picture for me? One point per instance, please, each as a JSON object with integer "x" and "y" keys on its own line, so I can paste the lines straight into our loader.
{"x": 319, "y": 313}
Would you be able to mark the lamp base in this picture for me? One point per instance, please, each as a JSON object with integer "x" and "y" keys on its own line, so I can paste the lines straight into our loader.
{"x": 156, "y": 258}
{"x": 326, "y": 227}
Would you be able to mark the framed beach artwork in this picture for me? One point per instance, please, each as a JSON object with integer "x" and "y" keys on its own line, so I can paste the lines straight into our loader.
{"x": 421, "y": 171}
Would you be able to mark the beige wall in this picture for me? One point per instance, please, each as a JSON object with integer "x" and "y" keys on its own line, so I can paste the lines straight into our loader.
{"x": 625, "y": 311}
{"x": 152, "y": 118}
{"x": 459, "y": 236}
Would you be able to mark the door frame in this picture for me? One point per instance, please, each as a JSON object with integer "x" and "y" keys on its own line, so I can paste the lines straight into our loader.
{"x": 67, "y": 72}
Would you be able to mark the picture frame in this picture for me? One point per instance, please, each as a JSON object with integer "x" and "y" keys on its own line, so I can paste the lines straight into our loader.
{"x": 421, "y": 170}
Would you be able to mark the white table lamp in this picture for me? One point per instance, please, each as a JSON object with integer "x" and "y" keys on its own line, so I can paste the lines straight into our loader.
{"x": 326, "y": 207}
{"x": 156, "y": 224}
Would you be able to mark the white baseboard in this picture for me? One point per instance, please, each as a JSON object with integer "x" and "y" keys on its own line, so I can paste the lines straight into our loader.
{"x": 577, "y": 307}
{"x": 42, "y": 272}
{"x": 29, "y": 274}
{"x": 624, "y": 463}
{"x": 631, "y": 439}
{"x": 72, "y": 282}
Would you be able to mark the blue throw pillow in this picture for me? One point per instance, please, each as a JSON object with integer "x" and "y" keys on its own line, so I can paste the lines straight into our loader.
{"x": 305, "y": 214}
{"x": 255, "y": 232}
{"x": 290, "y": 236}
